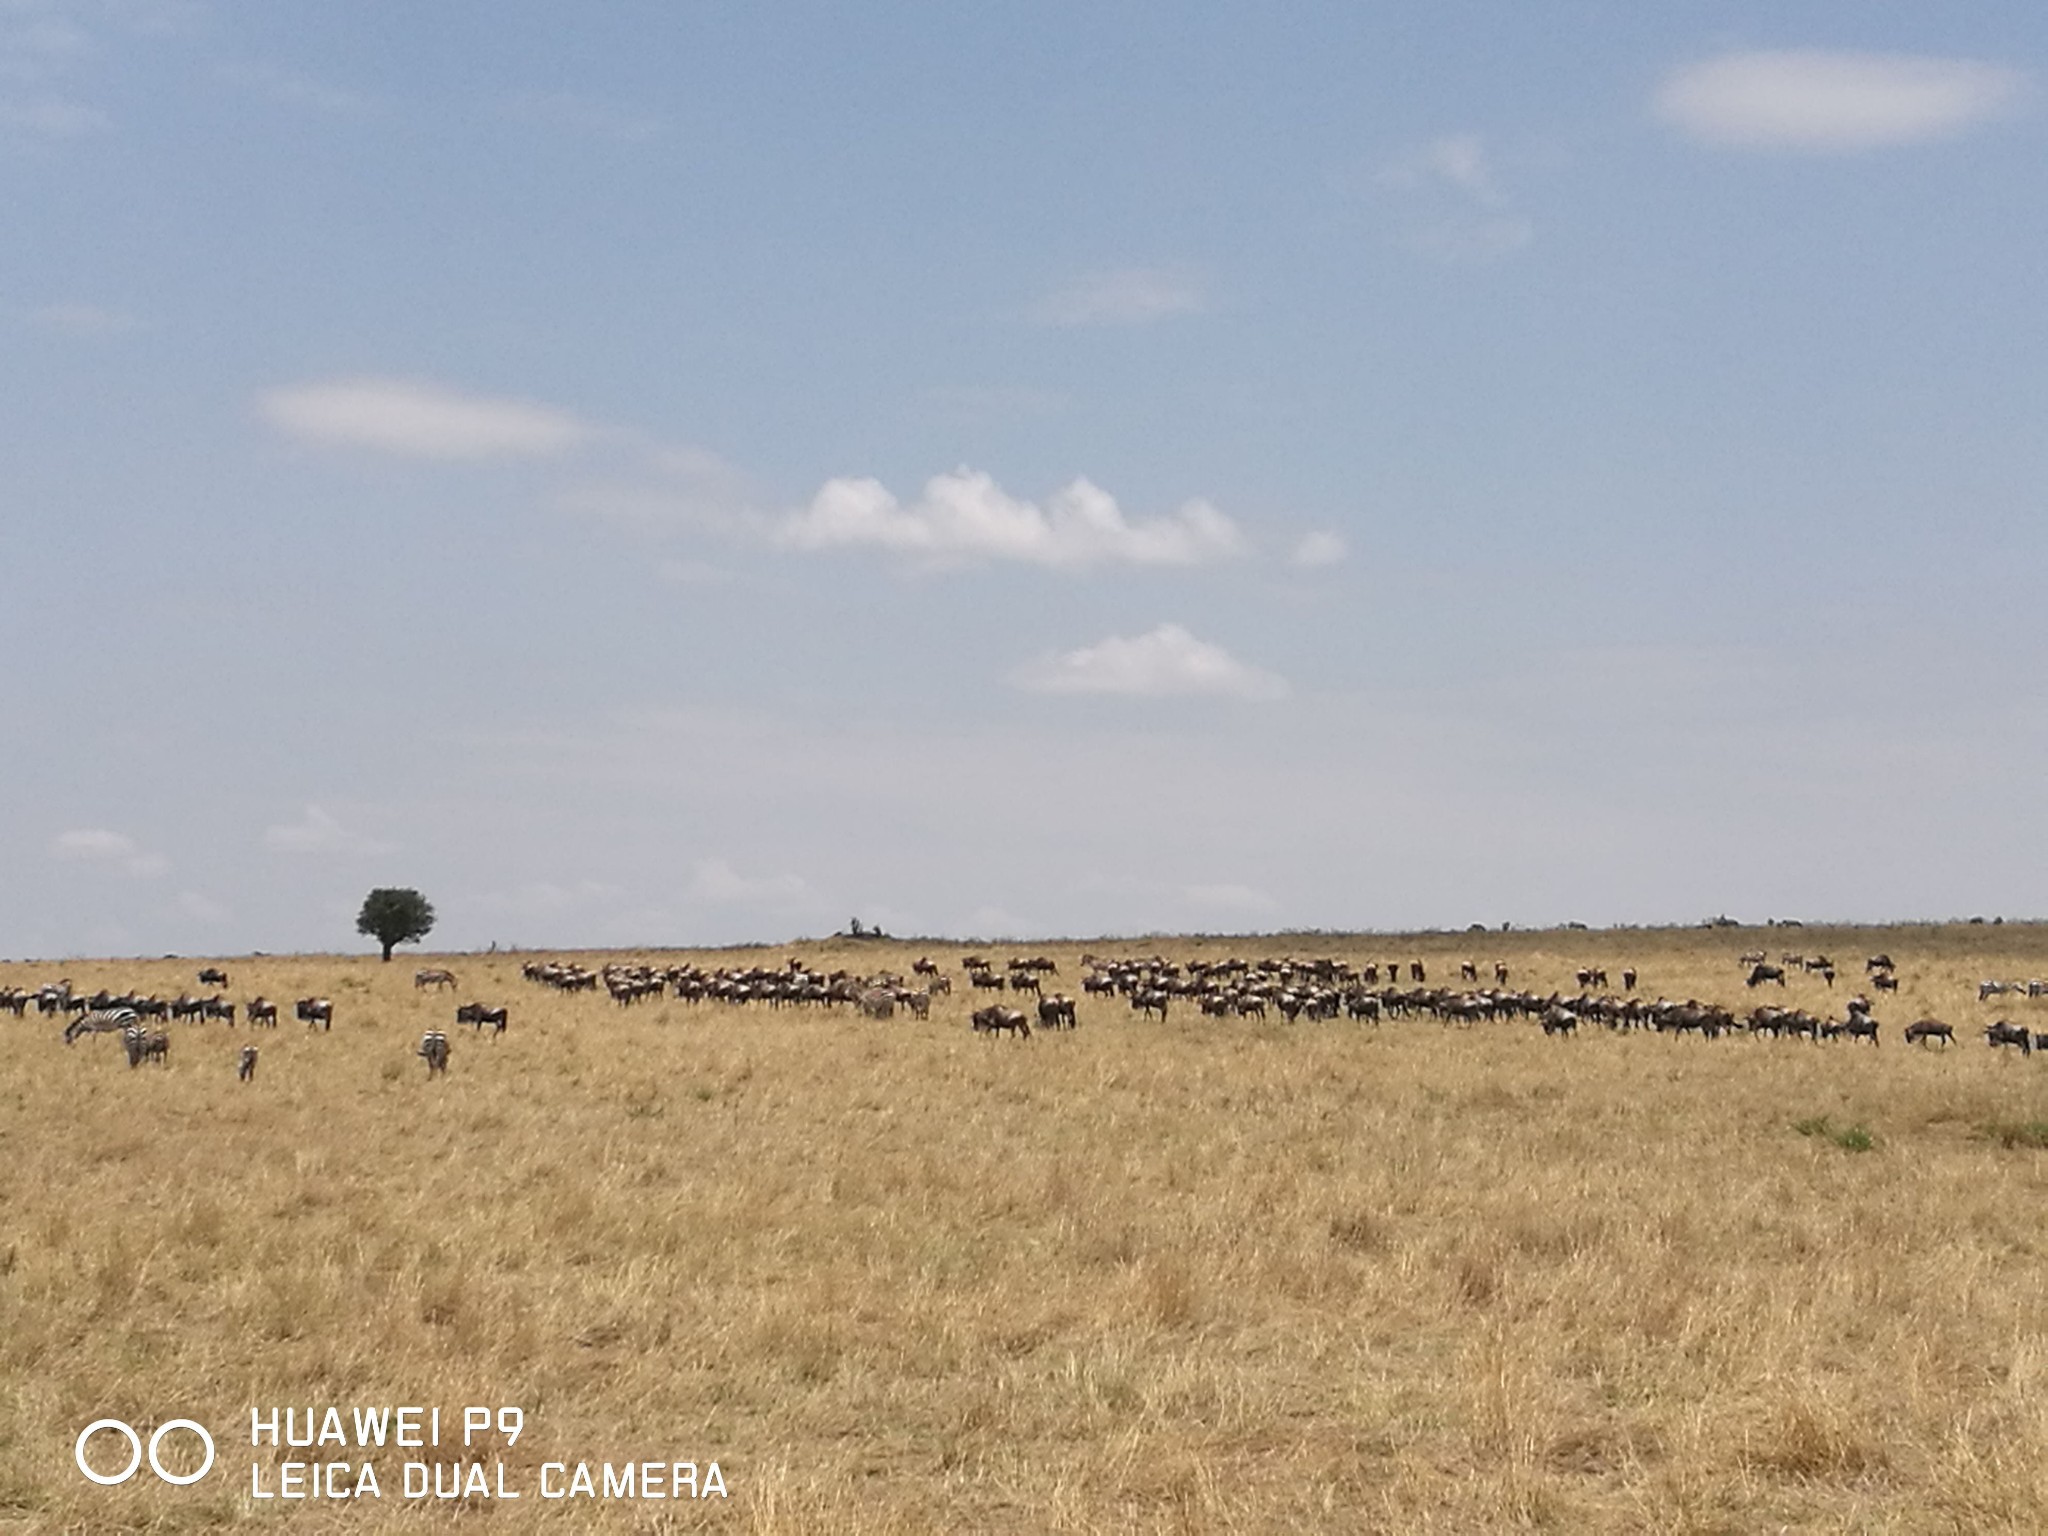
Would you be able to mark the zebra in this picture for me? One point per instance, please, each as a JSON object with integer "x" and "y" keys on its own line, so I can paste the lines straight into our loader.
{"x": 143, "y": 1045}
{"x": 103, "y": 1022}
{"x": 245, "y": 1070}
{"x": 434, "y": 1051}
{"x": 421, "y": 980}
{"x": 1995, "y": 989}
{"x": 316, "y": 1010}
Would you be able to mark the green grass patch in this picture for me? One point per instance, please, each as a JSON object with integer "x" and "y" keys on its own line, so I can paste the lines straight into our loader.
{"x": 1850, "y": 1138}
{"x": 2018, "y": 1133}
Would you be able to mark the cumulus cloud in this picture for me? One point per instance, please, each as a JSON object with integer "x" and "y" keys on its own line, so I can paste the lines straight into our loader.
{"x": 967, "y": 516}
{"x": 1319, "y": 548}
{"x": 419, "y": 420}
{"x": 716, "y": 881}
{"x": 318, "y": 832}
{"x": 1127, "y": 296}
{"x": 1817, "y": 101}
{"x": 1166, "y": 662}
{"x": 98, "y": 845}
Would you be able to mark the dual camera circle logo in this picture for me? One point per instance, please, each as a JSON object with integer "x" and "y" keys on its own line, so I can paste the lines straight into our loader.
{"x": 127, "y": 1432}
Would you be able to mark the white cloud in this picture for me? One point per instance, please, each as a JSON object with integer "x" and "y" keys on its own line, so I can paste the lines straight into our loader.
{"x": 97, "y": 845}
{"x": 1128, "y": 296}
{"x": 1166, "y": 662}
{"x": 1241, "y": 900}
{"x": 202, "y": 908}
{"x": 715, "y": 880}
{"x": 1319, "y": 548}
{"x": 1807, "y": 99}
{"x": 1455, "y": 207}
{"x": 318, "y": 832}
{"x": 967, "y": 516}
{"x": 86, "y": 320}
{"x": 417, "y": 420}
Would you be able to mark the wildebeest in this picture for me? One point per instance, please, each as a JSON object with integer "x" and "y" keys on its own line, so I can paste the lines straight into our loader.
{"x": 2005, "y": 1033}
{"x": 421, "y": 980}
{"x": 1469, "y": 971}
{"x": 1884, "y": 981}
{"x": 245, "y": 1070}
{"x": 1920, "y": 1031}
{"x": 434, "y": 1051}
{"x": 1500, "y": 973}
{"x": 218, "y": 1008}
{"x": 262, "y": 1011}
{"x": 1559, "y": 1020}
{"x": 1878, "y": 963}
{"x": 1628, "y": 979}
{"x": 213, "y": 976}
{"x": 1858, "y": 1026}
{"x": 1056, "y": 1012}
{"x": 1761, "y": 973}
{"x": 995, "y": 1018}
{"x": 478, "y": 1015}
{"x": 315, "y": 1010}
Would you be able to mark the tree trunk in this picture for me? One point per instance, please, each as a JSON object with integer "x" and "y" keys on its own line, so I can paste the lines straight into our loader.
{"x": 387, "y": 943}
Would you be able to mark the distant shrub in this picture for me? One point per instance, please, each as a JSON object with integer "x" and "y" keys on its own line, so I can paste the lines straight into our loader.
{"x": 1850, "y": 1138}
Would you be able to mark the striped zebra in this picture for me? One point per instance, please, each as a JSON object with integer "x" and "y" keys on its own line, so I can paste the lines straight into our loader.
{"x": 103, "y": 1021}
{"x": 143, "y": 1045}
{"x": 421, "y": 980}
{"x": 245, "y": 1070}
{"x": 434, "y": 1052}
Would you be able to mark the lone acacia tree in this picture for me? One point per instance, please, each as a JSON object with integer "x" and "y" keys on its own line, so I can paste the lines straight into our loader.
{"x": 393, "y": 915}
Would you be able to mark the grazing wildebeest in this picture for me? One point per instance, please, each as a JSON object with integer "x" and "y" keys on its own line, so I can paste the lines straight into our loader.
{"x": 2005, "y": 1033}
{"x": 1859, "y": 1026}
{"x": 434, "y": 1051}
{"x": 1884, "y": 981}
{"x": 262, "y": 1011}
{"x": 1878, "y": 963}
{"x": 315, "y": 1010}
{"x": 218, "y": 1008}
{"x": 925, "y": 965}
{"x": 245, "y": 1070}
{"x": 1761, "y": 973}
{"x": 1056, "y": 1012}
{"x": 995, "y": 1018}
{"x": 421, "y": 980}
{"x": 1024, "y": 981}
{"x": 213, "y": 976}
{"x": 1921, "y": 1031}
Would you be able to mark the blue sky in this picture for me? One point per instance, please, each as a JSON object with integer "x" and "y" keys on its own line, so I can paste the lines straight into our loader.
{"x": 660, "y": 474}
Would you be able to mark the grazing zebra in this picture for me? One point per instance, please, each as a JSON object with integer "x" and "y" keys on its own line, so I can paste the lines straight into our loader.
{"x": 1995, "y": 989}
{"x": 103, "y": 1022}
{"x": 245, "y": 1070}
{"x": 877, "y": 1003}
{"x": 262, "y": 1011}
{"x": 144, "y": 1046}
{"x": 434, "y": 1051}
{"x": 421, "y": 980}
{"x": 315, "y": 1010}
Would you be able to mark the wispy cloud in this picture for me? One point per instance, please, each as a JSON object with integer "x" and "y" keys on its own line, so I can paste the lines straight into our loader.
{"x": 419, "y": 420}
{"x": 1455, "y": 207}
{"x": 1817, "y": 101}
{"x": 1166, "y": 662}
{"x": 289, "y": 89}
{"x": 1126, "y": 296}
{"x": 98, "y": 845}
{"x": 586, "y": 116}
{"x": 89, "y": 321}
{"x": 717, "y": 882}
{"x": 1319, "y": 548}
{"x": 318, "y": 832}
{"x": 967, "y": 516}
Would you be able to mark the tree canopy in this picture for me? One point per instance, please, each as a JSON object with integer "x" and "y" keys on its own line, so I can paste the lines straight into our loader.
{"x": 394, "y": 915}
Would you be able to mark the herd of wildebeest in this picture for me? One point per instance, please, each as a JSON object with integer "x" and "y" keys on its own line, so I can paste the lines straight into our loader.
{"x": 1152, "y": 987}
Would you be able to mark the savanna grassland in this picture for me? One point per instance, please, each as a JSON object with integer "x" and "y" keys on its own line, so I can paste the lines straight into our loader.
{"x": 1191, "y": 1276}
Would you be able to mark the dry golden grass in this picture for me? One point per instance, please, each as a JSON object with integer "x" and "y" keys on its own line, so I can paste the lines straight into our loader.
{"x": 1197, "y": 1276}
